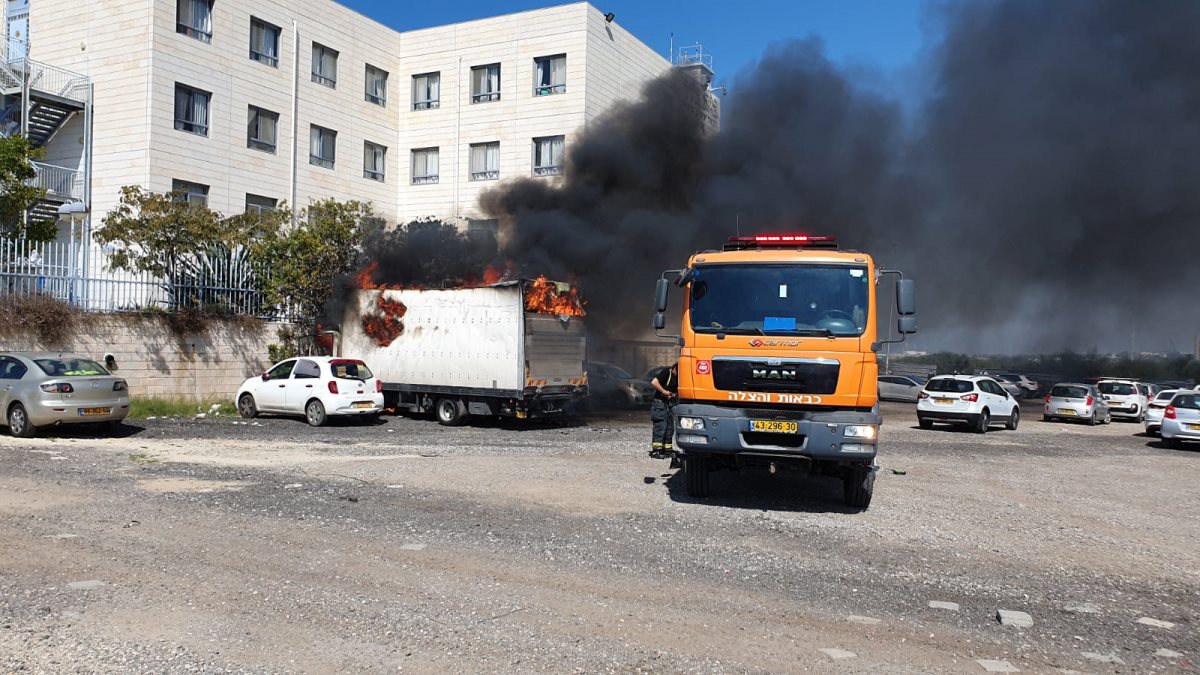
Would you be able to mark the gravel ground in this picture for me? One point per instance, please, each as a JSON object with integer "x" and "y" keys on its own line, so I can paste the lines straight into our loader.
{"x": 219, "y": 546}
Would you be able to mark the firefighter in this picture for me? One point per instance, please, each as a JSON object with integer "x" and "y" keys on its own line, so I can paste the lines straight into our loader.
{"x": 666, "y": 383}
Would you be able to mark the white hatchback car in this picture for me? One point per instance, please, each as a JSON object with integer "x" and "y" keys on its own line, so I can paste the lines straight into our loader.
{"x": 314, "y": 386}
{"x": 1158, "y": 406}
{"x": 1181, "y": 419}
{"x": 974, "y": 400}
{"x": 1126, "y": 399}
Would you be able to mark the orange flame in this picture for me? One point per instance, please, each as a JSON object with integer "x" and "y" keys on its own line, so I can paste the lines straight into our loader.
{"x": 387, "y": 324}
{"x": 544, "y": 297}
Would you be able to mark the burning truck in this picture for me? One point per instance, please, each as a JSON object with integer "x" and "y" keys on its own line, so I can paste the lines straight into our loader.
{"x": 511, "y": 348}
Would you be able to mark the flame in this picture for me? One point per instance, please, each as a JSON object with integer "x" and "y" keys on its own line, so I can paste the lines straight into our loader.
{"x": 544, "y": 297}
{"x": 387, "y": 324}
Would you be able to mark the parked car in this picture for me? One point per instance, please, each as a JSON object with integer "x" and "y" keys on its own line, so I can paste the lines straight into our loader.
{"x": 1156, "y": 408}
{"x": 1181, "y": 419}
{"x": 317, "y": 387}
{"x": 1024, "y": 387}
{"x": 899, "y": 388}
{"x": 974, "y": 400}
{"x": 612, "y": 386}
{"x": 39, "y": 389}
{"x": 1125, "y": 398}
{"x": 1076, "y": 402}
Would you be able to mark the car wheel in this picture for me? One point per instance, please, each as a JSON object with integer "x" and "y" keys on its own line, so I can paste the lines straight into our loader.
{"x": 1047, "y": 418}
{"x": 1014, "y": 419}
{"x": 1093, "y": 420}
{"x": 924, "y": 423}
{"x": 450, "y": 412}
{"x": 18, "y": 422}
{"x": 247, "y": 407}
{"x": 1108, "y": 418}
{"x": 858, "y": 485}
{"x": 116, "y": 428}
{"x": 314, "y": 412}
{"x": 984, "y": 421}
{"x": 1171, "y": 443}
{"x": 695, "y": 470}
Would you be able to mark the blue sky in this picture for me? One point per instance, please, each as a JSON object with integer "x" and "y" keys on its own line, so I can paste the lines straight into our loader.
{"x": 876, "y": 33}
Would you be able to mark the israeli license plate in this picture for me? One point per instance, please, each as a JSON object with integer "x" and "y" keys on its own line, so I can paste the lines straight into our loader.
{"x": 1194, "y": 427}
{"x": 774, "y": 427}
{"x": 85, "y": 412}
{"x": 1066, "y": 411}
{"x": 364, "y": 404}
{"x": 944, "y": 401}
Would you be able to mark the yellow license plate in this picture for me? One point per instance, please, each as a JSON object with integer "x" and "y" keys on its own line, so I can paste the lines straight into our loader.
{"x": 773, "y": 426}
{"x": 944, "y": 401}
{"x": 94, "y": 411}
{"x": 1194, "y": 427}
{"x": 364, "y": 404}
{"x": 1065, "y": 411}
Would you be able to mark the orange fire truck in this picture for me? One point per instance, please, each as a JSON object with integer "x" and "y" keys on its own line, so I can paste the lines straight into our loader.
{"x": 777, "y": 366}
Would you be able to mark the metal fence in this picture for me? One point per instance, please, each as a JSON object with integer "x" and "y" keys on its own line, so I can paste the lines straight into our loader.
{"x": 221, "y": 280}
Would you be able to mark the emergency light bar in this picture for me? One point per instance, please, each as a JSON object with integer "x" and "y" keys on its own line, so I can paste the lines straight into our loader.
{"x": 780, "y": 241}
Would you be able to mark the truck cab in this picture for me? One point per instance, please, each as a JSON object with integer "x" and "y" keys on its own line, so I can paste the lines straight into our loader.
{"x": 777, "y": 363}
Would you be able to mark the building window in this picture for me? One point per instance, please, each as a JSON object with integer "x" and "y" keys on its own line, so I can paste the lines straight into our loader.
{"x": 193, "y": 18}
{"x": 261, "y": 134}
{"x": 374, "y": 161}
{"x": 192, "y": 193}
{"x": 191, "y": 110}
{"x": 259, "y": 204}
{"x": 426, "y": 91}
{"x": 550, "y": 75}
{"x": 548, "y": 156}
{"x": 324, "y": 65}
{"x": 264, "y": 42}
{"x": 424, "y": 166}
{"x": 485, "y": 83}
{"x": 485, "y": 161}
{"x": 376, "y": 85}
{"x": 322, "y": 146}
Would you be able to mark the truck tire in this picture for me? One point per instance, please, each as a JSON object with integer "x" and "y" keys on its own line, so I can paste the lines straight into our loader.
{"x": 450, "y": 412}
{"x": 696, "y": 470}
{"x": 858, "y": 486}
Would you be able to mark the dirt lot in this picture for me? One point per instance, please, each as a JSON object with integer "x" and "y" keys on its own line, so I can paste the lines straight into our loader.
{"x": 218, "y": 546}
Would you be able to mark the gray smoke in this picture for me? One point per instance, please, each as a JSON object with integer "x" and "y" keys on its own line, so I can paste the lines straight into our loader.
{"x": 1043, "y": 195}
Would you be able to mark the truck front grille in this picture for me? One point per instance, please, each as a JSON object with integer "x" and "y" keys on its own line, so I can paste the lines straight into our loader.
{"x": 809, "y": 376}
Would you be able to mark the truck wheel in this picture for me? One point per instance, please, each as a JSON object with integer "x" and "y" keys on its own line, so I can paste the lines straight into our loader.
{"x": 858, "y": 485}
{"x": 450, "y": 412}
{"x": 984, "y": 421}
{"x": 695, "y": 470}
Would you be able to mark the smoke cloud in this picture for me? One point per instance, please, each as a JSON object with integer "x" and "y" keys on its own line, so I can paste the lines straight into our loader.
{"x": 1043, "y": 193}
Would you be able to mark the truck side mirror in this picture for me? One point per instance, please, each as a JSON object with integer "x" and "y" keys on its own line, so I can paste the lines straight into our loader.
{"x": 906, "y": 298}
{"x": 660, "y": 296}
{"x": 660, "y": 321}
{"x": 906, "y": 325}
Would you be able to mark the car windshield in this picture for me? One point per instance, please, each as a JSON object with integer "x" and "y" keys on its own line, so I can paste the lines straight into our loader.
{"x": 1064, "y": 391}
{"x": 616, "y": 372}
{"x": 829, "y": 300}
{"x": 949, "y": 384}
{"x": 69, "y": 367}
{"x": 350, "y": 370}
{"x": 1117, "y": 388}
{"x": 1189, "y": 401}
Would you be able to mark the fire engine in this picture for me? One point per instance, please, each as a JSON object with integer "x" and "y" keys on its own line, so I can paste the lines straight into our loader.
{"x": 777, "y": 365}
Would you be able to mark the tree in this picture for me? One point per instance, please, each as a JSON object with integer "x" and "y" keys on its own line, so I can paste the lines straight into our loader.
{"x": 307, "y": 261}
{"x": 17, "y": 195}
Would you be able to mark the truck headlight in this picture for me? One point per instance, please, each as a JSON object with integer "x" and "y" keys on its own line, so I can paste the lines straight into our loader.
{"x": 866, "y": 431}
{"x": 691, "y": 423}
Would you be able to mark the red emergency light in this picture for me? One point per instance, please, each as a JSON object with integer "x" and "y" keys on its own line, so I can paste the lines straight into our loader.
{"x": 780, "y": 241}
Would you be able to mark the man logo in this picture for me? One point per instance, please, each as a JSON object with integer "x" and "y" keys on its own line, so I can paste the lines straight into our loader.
{"x": 773, "y": 373}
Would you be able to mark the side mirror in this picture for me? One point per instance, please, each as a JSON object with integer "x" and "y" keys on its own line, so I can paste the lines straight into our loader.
{"x": 906, "y": 325}
{"x": 906, "y": 299}
{"x": 660, "y": 321}
{"x": 660, "y": 296}
{"x": 266, "y": 376}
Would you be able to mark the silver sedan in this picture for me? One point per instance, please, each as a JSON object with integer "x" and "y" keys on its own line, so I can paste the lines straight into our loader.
{"x": 40, "y": 389}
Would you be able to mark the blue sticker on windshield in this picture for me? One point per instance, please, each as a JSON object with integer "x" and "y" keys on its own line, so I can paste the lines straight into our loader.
{"x": 779, "y": 323}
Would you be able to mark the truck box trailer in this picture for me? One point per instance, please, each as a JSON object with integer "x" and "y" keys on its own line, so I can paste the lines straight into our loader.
{"x": 493, "y": 350}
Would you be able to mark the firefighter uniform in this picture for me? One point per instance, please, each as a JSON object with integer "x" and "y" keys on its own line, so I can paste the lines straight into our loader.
{"x": 662, "y": 412}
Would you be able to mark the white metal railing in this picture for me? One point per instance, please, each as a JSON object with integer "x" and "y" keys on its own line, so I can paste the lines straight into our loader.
{"x": 16, "y": 68}
{"x": 58, "y": 181}
{"x": 60, "y": 269}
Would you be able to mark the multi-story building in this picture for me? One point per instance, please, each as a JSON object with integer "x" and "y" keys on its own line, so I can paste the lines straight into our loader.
{"x": 249, "y": 104}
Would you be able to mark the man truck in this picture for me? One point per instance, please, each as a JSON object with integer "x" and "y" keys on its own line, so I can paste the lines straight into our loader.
{"x": 511, "y": 349}
{"x": 777, "y": 366}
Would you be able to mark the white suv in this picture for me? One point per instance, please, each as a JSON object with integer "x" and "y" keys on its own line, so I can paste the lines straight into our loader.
{"x": 974, "y": 400}
{"x": 1126, "y": 399}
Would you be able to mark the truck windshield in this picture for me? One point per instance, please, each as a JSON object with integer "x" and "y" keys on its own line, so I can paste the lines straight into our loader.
{"x": 782, "y": 299}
